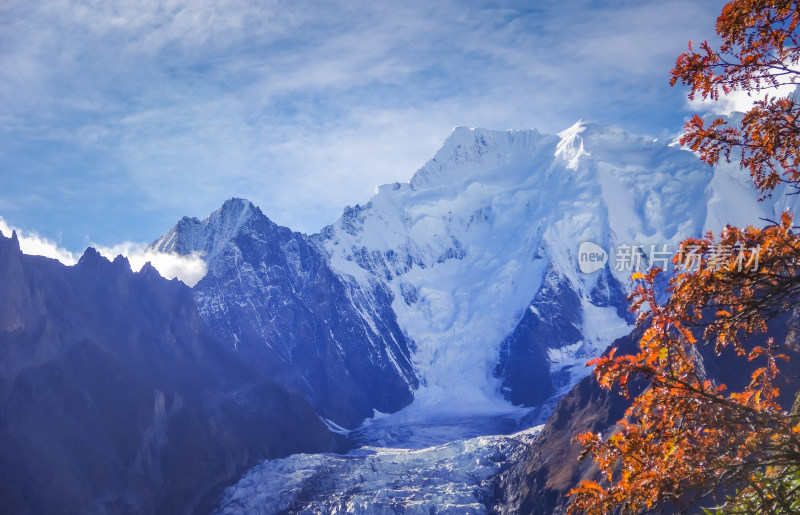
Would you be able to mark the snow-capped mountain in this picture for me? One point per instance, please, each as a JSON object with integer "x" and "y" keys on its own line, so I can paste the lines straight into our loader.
{"x": 466, "y": 278}
{"x": 479, "y": 252}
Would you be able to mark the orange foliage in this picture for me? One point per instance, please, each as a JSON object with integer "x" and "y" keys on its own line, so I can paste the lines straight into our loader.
{"x": 685, "y": 437}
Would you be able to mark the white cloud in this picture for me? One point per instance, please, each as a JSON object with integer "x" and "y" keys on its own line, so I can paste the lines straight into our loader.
{"x": 188, "y": 269}
{"x": 33, "y": 244}
{"x": 738, "y": 101}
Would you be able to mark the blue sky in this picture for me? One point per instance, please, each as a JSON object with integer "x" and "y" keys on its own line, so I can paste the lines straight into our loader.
{"x": 119, "y": 117}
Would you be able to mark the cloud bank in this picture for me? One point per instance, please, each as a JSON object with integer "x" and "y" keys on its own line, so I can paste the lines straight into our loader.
{"x": 188, "y": 269}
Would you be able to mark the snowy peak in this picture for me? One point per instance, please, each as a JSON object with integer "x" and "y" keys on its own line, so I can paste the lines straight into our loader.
{"x": 473, "y": 153}
{"x": 590, "y": 182}
{"x": 490, "y": 227}
{"x": 513, "y": 157}
{"x": 208, "y": 237}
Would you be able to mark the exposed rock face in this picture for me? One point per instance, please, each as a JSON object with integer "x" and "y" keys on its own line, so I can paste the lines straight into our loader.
{"x": 537, "y": 359}
{"x": 550, "y": 468}
{"x": 271, "y": 294}
{"x": 116, "y": 398}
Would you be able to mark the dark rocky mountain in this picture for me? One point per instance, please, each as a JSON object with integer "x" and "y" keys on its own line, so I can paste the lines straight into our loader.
{"x": 272, "y": 295}
{"x": 116, "y": 398}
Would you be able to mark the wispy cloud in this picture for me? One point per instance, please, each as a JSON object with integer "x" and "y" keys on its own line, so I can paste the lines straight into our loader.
{"x": 188, "y": 269}
{"x": 167, "y": 108}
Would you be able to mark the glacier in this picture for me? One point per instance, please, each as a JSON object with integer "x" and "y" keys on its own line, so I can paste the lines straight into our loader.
{"x": 455, "y": 477}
